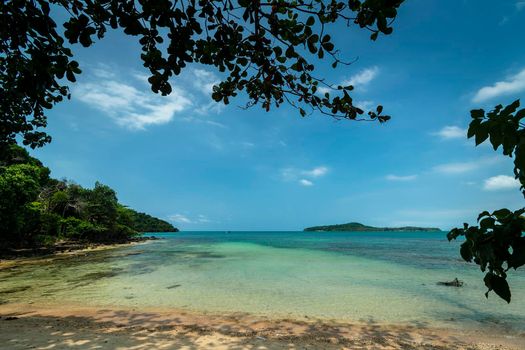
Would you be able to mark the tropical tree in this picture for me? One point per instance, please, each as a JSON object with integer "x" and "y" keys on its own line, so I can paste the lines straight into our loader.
{"x": 264, "y": 48}
{"x": 497, "y": 244}
{"x": 37, "y": 210}
{"x": 19, "y": 188}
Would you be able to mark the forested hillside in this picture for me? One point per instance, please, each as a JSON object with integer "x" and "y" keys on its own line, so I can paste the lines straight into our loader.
{"x": 143, "y": 222}
{"x": 36, "y": 209}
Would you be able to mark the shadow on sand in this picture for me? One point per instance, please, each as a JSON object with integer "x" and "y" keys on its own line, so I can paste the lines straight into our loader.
{"x": 118, "y": 329}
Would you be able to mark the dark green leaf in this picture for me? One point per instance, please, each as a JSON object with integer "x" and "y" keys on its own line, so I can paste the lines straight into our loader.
{"x": 499, "y": 285}
{"x": 466, "y": 251}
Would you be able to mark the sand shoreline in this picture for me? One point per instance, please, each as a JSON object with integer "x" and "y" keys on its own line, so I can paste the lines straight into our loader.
{"x": 25, "y": 326}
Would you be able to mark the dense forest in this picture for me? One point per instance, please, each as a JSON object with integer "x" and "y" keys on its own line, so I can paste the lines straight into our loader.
{"x": 37, "y": 210}
{"x": 355, "y": 226}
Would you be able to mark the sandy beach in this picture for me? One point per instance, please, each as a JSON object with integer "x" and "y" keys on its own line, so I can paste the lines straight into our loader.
{"x": 25, "y": 326}
{"x": 31, "y": 323}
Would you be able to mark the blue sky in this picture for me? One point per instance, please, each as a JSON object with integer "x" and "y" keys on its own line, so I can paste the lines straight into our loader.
{"x": 205, "y": 166}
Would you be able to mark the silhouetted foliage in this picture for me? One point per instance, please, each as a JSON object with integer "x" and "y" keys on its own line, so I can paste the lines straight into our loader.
{"x": 36, "y": 210}
{"x": 497, "y": 243}
{"x": 265, "y": 49}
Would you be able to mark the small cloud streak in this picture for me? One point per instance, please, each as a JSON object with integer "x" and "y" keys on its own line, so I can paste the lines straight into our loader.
{"x": 500, "y": 183}
{"x": 512, "y": 85}
{"x": 392, "y": 177}
{"x": 180, "y": 218}
{"x": 451, "y": 132}
{"x": 464, "y": 167}
{"x": 307, "y": 183}
{"x": 202, "y": 219}
{"x": 303, "y": 176}
{"x": 359, "y": 80}
{"x": 520, "y": 5}
{"x": 184, "y": 219}
{"x": 315, "y": 172}
{"x": 362, "y": 78}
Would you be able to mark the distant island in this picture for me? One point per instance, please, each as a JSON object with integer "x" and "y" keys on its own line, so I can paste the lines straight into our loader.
{"x": 355, "y": 226}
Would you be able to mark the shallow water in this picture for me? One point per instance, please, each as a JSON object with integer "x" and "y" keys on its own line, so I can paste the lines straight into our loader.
{"x": 381, "y": 277}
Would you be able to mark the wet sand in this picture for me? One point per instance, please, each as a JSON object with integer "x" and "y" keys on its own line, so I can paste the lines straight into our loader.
{"x": 29, "y": 326}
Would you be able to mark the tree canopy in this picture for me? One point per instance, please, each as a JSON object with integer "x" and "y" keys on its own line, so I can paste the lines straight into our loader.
{"x": 265, "y": 49}
{"x": 497, "y": 243}
{"x": 36, "y": 209}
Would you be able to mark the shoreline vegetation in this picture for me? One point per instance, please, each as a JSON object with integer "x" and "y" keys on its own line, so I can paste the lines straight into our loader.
{"x": 42, "y": 215}
{"x": 358, "y": 227}
{"x": 30, "y": 325}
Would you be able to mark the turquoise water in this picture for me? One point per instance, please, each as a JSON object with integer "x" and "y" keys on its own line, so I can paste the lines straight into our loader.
{"x": 380, "y": 276}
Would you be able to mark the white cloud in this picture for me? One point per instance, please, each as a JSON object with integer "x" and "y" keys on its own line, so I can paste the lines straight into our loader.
{"x": 359, "y": 80}
{"x": 364, "y": 105}
{"x": 129, "y": 106}
{"x": 180, "y": 218}
{"x": 204, "y": 108}
{"x": 185, "y": 219}
{"x": 401, "y": 178}
{"x": 520, "y": 5}
{"x": 464, "y": 167}
{"x": 204, "y": 80}
{"x": 362, "y": 78}
{"x": 513, "y": 84}
{"x": 131, "y": 103}
{"x": 315, "y": 172}
{"x": 451, "y": 132}
{"x": 456, "y": 168}
{"x": 324, "y": 89}
{"x": 202, "y": 219}
{"x": 305, "y": 182}
{"x": 217, "y": 124}
{"x": 303, "y": 176}
{"x": 500, "y": 182}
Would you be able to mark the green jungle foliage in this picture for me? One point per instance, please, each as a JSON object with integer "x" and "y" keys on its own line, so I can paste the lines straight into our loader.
{"x": 37, "y": 210}
{"x": 146, "y": 223}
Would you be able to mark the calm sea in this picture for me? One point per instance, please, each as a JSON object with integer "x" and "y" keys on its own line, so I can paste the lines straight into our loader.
{"x": 376, "y": 276}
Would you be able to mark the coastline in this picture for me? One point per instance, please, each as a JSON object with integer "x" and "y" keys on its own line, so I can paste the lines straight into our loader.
{"x": 39, "y": 326}
{"x": 79, "y": 323}
{"x": 64, "y": 249}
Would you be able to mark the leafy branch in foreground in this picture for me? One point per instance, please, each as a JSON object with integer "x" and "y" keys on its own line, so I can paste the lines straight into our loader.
{"x": 497, "y": 244}
{"x": 264, "y": 47}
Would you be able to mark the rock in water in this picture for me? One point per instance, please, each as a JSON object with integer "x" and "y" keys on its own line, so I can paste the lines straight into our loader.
{"x": 454, "y": 283}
